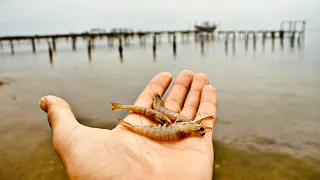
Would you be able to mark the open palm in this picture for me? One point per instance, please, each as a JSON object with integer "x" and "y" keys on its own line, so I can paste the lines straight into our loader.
{"x": 92, "y": 153}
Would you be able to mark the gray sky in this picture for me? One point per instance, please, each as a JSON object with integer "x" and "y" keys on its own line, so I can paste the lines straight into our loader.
{"x": 63, "y": 16}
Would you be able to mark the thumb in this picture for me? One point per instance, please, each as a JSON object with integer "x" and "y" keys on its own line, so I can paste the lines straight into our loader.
{"x": 60, "y": 116}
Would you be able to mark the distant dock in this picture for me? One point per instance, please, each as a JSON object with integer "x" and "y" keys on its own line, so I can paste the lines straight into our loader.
{"x": 121, "y": 37}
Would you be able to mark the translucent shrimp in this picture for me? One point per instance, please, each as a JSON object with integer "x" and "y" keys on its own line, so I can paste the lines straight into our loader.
{"x": 148, "y": 112}
{"x": 177, "y": 117}
{"x": 173, "y": 132}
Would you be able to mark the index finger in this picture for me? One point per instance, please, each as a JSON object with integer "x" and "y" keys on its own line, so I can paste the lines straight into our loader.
{"x": 157, "y": 84}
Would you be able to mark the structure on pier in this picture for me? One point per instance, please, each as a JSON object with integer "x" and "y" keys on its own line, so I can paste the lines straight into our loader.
{"x": 206, "y": 27}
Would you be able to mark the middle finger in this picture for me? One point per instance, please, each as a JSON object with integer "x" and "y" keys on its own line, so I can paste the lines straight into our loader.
{"x": 179, "y": 90}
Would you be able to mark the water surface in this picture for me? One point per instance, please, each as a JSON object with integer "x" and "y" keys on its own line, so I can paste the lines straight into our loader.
{"x": 268, "y": 97}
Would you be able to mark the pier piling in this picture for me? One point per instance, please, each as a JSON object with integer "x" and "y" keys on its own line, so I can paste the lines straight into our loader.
{"x": 174, "y": 45}
{"x": 50, "y": 52}
{"x": 74, "y": 43}
{"x": 89, "y": 48}
{"x": 154, "y": 45}
{"x": 12, "y": 47}
{"x": 54, "y": 44}
{"x": 33, "y": 45}
{"x": 120, "y": 46}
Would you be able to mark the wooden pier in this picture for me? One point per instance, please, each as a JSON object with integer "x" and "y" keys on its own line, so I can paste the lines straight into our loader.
{"x": 125, "y": 37}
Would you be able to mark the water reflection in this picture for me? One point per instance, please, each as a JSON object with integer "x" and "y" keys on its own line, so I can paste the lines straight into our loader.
{"x": 202, "y": 47}
{"x": 154, "y": 55}
{"x": 292, "y": 43}
{"x": 121, "y": 56}
{"x": 255, "y": 95}
{"x": 89, "y": 49}
{"x": 50, "y": 52}
{"x": 234, "y": 47}
{"x": 202, "y": 39}
{"x": 246, "y": 43}
{"x": 174, "y": 46}
{"x": 226, "y": 47}
{"x": 299, "y": 42}
{"x": 272, "y": 45}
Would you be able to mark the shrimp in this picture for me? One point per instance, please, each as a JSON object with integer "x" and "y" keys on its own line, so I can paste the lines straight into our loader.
{"x": 148, "y": 112}
{"x": 173, "y": 132}
{"x": 177, "y": 117}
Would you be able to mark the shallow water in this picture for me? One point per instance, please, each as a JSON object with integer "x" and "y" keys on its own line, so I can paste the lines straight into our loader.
{"x": 267, "y": 95}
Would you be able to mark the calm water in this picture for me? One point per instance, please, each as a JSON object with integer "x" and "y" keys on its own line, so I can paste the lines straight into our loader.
{"x": 268, "y": 95}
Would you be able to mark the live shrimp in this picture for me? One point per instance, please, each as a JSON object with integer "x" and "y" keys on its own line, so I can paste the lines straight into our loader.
{"x": 173, "y": 132}
{"x": 177, "y": 117}
{"x": 148, "y": 112}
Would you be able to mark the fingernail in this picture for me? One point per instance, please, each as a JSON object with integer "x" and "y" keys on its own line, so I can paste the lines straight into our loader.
{"x": 43, "y": 104}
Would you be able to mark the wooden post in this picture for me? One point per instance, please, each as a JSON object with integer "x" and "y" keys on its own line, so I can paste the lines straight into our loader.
{"x": 89, "y": 48}
{"x": 50, "y": 52}
{"x": 154, "y": 45}
{"x": 254, "y": 40}
{"x": 272, "y": 45}
{"x": 281, "y": 34}
{"x": 202, "y": 39}
{"x": 273, "y": 35}
{"x": 264, "y": 36}
{"x": 299, "y": 41}
{"x": 292, "y": 37}
{"x": 54, "y": 44}
{"x": 174, "y": 45}
{"x": 120, "y": 50}
{"x": 234, "y": 45}
{"x": 74, "y": 43}
{"x": 202, "y": 45}
{"x": 12, "y": 47}
{"x": 120, "y": 46}
{"x": 33, "y": 45}
{"x": 226, "y": 45}
{"x": 246, "y": 41}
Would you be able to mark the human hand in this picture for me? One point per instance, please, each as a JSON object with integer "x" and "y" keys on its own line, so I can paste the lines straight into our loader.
{"x": 93, "y": 153}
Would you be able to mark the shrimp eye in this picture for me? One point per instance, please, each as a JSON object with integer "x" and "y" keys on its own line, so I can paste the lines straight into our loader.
{"x": 201, "y": 129}
{"x": 202, "y": 134}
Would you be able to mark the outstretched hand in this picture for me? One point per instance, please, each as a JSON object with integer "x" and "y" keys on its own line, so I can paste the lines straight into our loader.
{"x": 93, "y": 153}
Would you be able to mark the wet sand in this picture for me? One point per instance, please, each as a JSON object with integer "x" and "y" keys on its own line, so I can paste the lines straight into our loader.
{"x": 267, "y": 103}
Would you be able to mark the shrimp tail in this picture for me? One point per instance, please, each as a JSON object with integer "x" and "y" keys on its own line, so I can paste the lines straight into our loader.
{"x": 125, "y": 124}
{"x": 116, "y": 106}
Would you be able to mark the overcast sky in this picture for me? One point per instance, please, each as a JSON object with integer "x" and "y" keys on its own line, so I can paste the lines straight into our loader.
{"x": 63, "y": 16}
